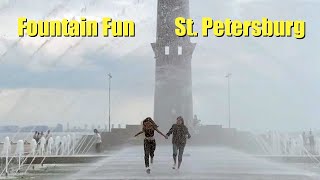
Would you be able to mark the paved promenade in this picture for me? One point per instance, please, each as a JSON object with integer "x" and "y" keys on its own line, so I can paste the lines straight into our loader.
{"x": 199, "y": 163}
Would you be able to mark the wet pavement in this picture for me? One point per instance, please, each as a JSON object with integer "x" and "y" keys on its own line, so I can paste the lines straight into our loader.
{"x": 199, "y": 163}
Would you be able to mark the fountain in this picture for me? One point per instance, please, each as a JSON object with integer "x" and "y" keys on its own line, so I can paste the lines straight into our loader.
{"x": 276, "y": 143}
{"x": 73, "y": 142}
{"x": 20, "y": 152}
{"x": 42, "y": 145}
{"x": 49, "y": 146}
{"x": 285, "y": 144}
{"x": 5, "y": 152}
{"x": 33, "y": 146}
{"x": 68, "y": 143}
{"x": 58, "y": 145}
{"x": 63, "y": 145}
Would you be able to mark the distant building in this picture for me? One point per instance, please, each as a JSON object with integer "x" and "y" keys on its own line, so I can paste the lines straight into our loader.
{"x": 40, "y": 128}
{"x": 9, "y": 129}
{"x": 59, "y": 128}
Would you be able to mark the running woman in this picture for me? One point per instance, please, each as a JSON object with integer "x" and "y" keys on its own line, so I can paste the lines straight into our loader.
{"x": 180, "y": 133}
{"x": 149, "y": 126}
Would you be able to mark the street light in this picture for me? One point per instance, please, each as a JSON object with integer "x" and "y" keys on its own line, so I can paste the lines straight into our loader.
{"x": 229, "y": 76}
{"x": 110, "y": 76}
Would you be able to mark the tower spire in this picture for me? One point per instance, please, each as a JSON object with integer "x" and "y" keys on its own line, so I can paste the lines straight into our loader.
{"x": 168, "y": 11}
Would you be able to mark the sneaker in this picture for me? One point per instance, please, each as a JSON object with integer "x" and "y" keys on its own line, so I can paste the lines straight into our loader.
{"x": 148, "y": 170}
{"x": 174, "y": 166}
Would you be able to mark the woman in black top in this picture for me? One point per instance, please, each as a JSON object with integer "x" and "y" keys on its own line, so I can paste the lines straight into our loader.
{"x": 180, "y": 133}
{"x": 149, "y": 126}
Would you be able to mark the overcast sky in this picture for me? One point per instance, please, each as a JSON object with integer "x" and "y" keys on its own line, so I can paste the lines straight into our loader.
{"x": 275, "y": 82}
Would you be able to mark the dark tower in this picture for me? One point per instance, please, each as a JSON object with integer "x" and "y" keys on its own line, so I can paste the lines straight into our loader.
{"x": 173, "y": 54}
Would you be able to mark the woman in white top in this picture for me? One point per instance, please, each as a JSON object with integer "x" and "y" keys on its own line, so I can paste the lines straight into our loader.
{"x": 98, "y": 140}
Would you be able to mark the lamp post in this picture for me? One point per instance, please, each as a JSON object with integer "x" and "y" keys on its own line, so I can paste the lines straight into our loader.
{"x": 228, "y": 76}
{"x": 109, "y": 76}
